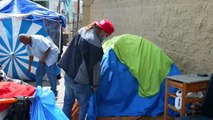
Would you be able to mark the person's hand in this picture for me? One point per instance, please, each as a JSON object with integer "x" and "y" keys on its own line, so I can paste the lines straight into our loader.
{"x": 94, "y": 88}
{"x": 29, "y": 69}
{"x": 41, "y": 61}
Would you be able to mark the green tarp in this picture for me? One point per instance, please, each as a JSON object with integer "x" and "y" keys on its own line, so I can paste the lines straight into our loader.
{"x": 148, "y": 63}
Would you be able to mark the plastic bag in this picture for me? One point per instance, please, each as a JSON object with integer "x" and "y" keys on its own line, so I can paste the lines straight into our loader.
{"x": 44, "y": 107}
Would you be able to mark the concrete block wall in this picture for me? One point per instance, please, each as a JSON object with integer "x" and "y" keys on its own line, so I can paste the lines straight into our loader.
{"x": 183, "y": 28}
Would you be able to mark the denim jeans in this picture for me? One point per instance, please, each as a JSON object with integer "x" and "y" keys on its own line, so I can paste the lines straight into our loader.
{"x": 75, "y": 90}
{"x": 41, "y": 70}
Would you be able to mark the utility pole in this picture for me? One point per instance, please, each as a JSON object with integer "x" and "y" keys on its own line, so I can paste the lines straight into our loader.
{"x": 78, "y": 14}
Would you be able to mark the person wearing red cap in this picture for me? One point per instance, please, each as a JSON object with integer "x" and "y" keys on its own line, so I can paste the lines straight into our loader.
{"x": 81, "y": 63}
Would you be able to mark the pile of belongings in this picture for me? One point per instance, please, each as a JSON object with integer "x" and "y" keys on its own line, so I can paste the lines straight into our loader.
{"x": 132, "y": 79}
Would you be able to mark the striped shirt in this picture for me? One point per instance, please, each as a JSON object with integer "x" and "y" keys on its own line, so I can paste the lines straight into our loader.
{"x": 39, "y": 46}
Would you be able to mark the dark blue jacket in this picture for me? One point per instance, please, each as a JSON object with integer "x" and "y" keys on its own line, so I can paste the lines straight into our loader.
{"x": 81, "y": 60}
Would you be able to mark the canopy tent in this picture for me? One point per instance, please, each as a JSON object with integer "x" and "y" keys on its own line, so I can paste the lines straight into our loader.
{"x": 24, "y": 16}
{"x": 29, "y": 10}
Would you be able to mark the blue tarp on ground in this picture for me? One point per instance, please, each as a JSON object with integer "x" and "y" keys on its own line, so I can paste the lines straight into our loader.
{"x": 117, "y": 94}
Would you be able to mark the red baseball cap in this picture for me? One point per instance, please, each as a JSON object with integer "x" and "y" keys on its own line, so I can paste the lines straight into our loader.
{"x": 106, "y": 25}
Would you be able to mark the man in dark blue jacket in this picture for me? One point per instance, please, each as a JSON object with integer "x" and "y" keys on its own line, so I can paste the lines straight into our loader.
{"x": 81, "y": 63}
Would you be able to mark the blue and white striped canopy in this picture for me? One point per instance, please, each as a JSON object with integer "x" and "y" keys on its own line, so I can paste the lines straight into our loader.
{"x": 13, "y": 54}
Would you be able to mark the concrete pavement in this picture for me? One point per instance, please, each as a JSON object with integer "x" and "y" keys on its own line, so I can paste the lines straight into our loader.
{"x": 61, "y": 90}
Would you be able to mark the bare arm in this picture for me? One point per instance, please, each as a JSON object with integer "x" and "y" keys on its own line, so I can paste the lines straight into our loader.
{"x": 30, "y": 63}
{"x": 44, "y": 56}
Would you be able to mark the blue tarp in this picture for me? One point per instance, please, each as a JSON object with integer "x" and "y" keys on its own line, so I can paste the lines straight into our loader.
{"x": 28, "y": 9}
{"x": 44, "y": 106}
{"x": 117, "y": 94}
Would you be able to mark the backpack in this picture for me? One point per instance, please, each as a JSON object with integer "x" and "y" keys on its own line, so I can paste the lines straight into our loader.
{"x": 19, "y": 110}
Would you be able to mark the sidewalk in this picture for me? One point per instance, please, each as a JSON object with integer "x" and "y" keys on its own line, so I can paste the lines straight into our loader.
{"x": 61, "y": 90}
{"x": 60, "y": 86}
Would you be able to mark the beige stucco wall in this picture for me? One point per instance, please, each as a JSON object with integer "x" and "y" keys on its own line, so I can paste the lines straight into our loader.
{"x": 86, "y": 12}
{"x": 183, "y": 28}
